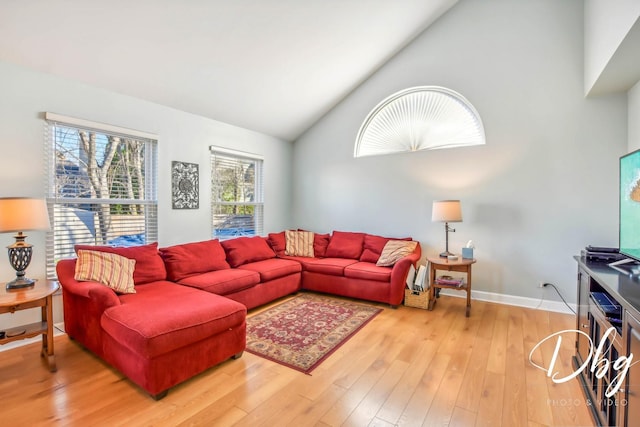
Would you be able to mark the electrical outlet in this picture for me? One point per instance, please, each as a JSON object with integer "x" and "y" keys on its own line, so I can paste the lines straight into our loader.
{"x": 541, "y": 284}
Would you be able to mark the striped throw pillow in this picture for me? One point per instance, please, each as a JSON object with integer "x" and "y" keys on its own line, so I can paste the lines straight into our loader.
{"x": 394, "y": 250}
{"x": 298, "y": 243}
{"x": 112, "y": 270}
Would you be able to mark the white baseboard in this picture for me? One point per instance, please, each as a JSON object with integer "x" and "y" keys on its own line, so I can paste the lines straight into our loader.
{"x": 540, "y": 304}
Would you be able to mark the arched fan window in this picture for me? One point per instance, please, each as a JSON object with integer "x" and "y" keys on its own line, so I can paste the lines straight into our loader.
{"x": 419, "y": 118}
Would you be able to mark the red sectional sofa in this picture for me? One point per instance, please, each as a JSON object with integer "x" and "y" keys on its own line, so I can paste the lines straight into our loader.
{"x": 345, "y": 264}
{"x": 191, "y": 300}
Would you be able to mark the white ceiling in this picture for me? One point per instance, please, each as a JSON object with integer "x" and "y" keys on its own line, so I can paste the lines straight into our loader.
{"x": 273, "y": 66}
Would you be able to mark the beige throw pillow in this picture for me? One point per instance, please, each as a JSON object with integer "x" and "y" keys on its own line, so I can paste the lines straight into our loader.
{"x": 298, "y": 243}
{"x": 112, "y": 270}
{"x": 394, "y": 250}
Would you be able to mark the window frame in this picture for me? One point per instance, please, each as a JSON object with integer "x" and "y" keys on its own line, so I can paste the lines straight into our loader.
{"x": 258, "y": 186}
{"x": 60, "y": 240}
{"x": 419, "y": 118}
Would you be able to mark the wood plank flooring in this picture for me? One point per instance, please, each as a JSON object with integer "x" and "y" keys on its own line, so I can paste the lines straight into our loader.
{"x": 408, "y": 367}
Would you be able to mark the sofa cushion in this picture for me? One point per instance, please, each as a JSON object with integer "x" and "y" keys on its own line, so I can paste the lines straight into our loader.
{"x": 192, "y": 258}
{"x": 373, "y": 246}
{"x": 247, "y": 249}
{"x": 332, "y": 266}
{"x": 299, "y": 243}
{"x": 165, "y": 316}
{"x": 395, "y": 250}
{"x": 345, "y": 245}
{"x": 111, "y": 270}
{"x": 223, "y": 282}
{"x": 278, "y": 242}
{"x": 368, "y": 271}
{"x": 320, "y": 243}
{"x": 274, "y": 268}
{"x": 149, "y": 264}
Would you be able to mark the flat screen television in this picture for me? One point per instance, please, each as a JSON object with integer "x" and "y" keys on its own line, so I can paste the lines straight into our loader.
{"x": 630, "y": 205}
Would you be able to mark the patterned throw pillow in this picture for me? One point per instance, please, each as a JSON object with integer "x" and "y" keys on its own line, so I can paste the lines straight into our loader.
{"x": 111, "y": 270}
{"x": 394, "y": 250}
{"x": 149, "y": 264}
{"x": 299, "y": 243}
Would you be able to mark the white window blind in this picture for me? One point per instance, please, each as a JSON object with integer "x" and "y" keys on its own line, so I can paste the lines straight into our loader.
{"x": 419, "y": 118}
{"x": 237, "y": 194}
{"x": 101, "y": 187}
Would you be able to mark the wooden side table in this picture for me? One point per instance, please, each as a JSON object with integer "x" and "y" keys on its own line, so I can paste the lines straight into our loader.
{"x": 40, "y": 295}
{"x": 461, "y": 265}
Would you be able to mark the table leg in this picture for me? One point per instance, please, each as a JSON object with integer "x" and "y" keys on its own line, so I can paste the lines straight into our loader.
{"x": 47, "y": 338}
{"x": 468, "y": 312}
{"x": 432, "y": 288}
{"x": 432, "y": 299}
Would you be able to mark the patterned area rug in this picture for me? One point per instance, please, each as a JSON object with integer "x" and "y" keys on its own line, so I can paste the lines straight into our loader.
{"x": 304, "y": 331}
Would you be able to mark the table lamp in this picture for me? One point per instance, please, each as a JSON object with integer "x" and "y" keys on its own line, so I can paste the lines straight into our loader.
{"x": 446, "y": 211}
{"x": 18, "y": 214}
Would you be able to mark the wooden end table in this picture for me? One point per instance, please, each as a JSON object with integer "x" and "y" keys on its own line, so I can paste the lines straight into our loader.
{"x": 461, "y": 265}
{"x": 39, "y": 295}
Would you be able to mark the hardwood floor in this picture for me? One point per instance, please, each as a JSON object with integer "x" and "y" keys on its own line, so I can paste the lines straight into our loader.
{"x": 408, "y": 367}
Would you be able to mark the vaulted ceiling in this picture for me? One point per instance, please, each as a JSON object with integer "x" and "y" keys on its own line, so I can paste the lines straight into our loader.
{"x": 273, "y": 66}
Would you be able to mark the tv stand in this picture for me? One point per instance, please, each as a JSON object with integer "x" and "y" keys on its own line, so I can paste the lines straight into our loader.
{"x": 620, "y": 291}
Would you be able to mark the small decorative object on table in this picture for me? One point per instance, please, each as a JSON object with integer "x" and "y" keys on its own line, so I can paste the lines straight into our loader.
{"x": 467, "y": 251}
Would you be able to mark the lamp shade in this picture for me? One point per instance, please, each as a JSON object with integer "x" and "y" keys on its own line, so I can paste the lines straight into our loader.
{"x": 446, "y": 211}
{"x": 21, "y": 214}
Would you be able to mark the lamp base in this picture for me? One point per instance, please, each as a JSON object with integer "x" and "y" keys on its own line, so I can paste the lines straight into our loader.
{"x": 20, "y": 283}
{"x": 445, "y": 254}
{"x": 20, "y": 257}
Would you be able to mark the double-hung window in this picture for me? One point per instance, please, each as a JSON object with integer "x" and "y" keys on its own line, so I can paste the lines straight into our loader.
{"x": 101, "y": 186}
{"x": 237, "y": 196}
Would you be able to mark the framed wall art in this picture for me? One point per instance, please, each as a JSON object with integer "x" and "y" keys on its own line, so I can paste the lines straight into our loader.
{"x": 184, "y": 185}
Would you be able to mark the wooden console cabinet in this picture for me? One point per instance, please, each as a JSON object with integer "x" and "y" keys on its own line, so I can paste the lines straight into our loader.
{"x": 623, "y": 407}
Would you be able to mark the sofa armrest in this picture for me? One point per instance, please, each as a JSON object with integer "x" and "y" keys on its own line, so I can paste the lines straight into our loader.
{"x": 83, "y": 305}
{"x": 399, "y": 275}
{"x": 100, "y": 294}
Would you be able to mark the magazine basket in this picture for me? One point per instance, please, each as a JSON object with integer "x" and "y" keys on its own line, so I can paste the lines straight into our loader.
{"x": 418, "y": 299}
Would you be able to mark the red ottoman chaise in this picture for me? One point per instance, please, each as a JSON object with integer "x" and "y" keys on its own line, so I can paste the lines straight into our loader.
{"x": 159, "y": 336}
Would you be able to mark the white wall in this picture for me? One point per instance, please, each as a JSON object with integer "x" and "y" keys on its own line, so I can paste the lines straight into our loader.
{"x": 633, "y": 99}
{"x": 606, "y": 23}
{"x": 543, "y": 187}
{"x": 24, "y": 97}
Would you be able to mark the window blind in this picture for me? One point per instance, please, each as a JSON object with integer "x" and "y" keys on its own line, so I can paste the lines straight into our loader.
{"x": 237, "y": 194}
{"x": 101, "y": 188}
